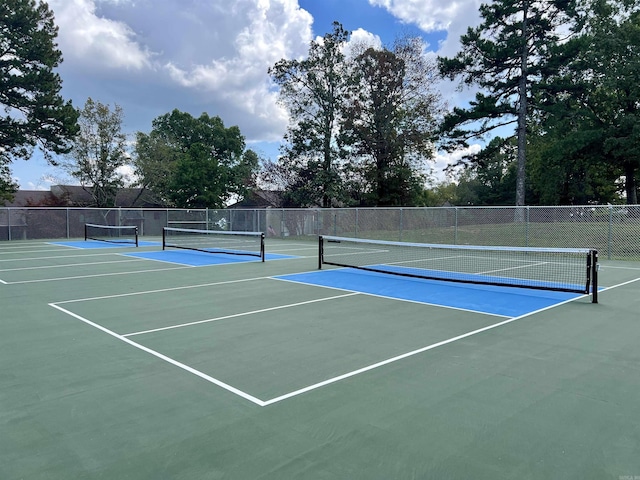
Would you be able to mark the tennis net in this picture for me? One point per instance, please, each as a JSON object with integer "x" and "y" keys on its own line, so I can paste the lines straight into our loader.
{"x": 562, "y": 269}
{"x": 214, "y": 241}
{"x": 111, "y": 233}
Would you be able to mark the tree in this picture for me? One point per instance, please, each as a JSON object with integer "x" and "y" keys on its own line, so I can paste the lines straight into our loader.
{"x": 7, "y": 186}
{"x": 194, "y": 162}
{"x": 591, "y": 107}
{"x": 154, "y": 160}
{"x": 492, "y": 178}
{"x": 390, "y": 120}
{"x": 504, "y": 56}
{"x": 313, "y": 91}
{"x": 566, "y": 167}
{"x": 98, "y": 152}
{"x": 34, "y": 111}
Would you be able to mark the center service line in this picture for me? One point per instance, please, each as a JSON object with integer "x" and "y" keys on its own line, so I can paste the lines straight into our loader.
{"x": 198, "y": 373}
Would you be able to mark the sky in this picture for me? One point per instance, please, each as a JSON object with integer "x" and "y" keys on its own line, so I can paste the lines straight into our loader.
{"x": 153, "y": 56}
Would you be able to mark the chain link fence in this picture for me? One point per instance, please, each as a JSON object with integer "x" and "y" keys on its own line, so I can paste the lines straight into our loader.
{"x": 614, "y": 230}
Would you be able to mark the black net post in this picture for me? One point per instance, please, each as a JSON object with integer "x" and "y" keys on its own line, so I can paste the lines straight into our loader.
{"x": 593, "y": 274}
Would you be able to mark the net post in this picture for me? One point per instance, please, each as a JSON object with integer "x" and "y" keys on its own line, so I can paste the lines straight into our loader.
{"x": 262, "y": 254}
{"x": 320, "y": 251}
{"x": 136, "y": 234}
{"x": 85, "y": 232}
{"x": 594, "y": 276}
{"x": 164, "y": 238}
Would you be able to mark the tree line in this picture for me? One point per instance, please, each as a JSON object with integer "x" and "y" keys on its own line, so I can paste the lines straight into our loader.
{"x": 557, "y": 95}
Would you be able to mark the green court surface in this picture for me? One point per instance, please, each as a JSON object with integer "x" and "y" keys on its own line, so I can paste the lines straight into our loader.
{"x": 121, "y": 367}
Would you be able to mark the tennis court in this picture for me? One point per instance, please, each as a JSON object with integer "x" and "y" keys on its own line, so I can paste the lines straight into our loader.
{"x": 131, "y": 362}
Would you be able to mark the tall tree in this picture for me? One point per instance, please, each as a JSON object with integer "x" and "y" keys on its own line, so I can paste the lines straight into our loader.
{"x": 504, "y": 56}
{"x": 34, "y": 113}
{"x": 313, "y": 91}
{"x": 591, "y": 115}
{"x": 194, "y": 162}
{"x": 390, "y": 120}
{"x": 98, "y": 152}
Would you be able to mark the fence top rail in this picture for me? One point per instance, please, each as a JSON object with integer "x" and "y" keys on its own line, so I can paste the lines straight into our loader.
{"x": 319, "y": 209}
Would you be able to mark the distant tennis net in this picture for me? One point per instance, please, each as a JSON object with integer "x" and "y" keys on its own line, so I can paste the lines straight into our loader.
{"x": 565, "y": 269}
{"x": 214, "y": 241}
{"x": 111, "y": 233}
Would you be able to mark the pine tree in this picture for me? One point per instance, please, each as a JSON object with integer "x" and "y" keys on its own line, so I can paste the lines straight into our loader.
{"x": 505, "y": 56}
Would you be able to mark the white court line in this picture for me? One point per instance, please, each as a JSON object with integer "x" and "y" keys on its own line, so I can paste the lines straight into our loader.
{"x": 159, "y": 355}
{"x": 620, "y": 284}
{"x": 511, "y": 268}
{"x": 408, "y": 354}
{"x": 71, "y": 265}
{"x": 60, "y": 256}
{"x": 329, "y": 381}
{"x": 619, "y": 268}
{"x": 393, "y": 298}
{"x": 430, "y": 347}
{"x": 235, "y": 315}
{"x": 3, "y": 282}
{"x": 93, "y": 276}
{"x": 289, "y": 249}
{"x": 161, "y": 261}
{"x": 161, "y": 290}
{"x": 36, "y": 251}
{"x": 31, "y": 245}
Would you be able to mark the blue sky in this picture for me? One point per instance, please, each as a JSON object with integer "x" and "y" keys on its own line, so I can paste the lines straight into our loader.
{"x": 151, "y": 56}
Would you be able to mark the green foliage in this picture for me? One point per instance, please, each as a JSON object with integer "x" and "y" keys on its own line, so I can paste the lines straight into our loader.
{"x": 491, "y": 180}
{"x": 390, "y": 122}
{"x": 313, "y": 91}
{"x": 98, "y": 152}
{"x": 591, "y": 106}
{"x": 362, "y": 127}
{"x": 7, "y": 186}
{"x": 194, "y": 162}
{"x": 504, "y": 56}
{"x": 33, "y": 111}
{"x": 565, "y": 171}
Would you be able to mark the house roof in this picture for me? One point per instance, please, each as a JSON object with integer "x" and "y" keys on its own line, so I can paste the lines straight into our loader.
{"x": 77, "y": 196}
{"x": 260, "y": 199}
{"x": 24, "y": 198}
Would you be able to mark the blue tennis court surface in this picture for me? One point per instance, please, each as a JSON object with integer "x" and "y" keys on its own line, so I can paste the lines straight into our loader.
{"x": 502, "y": 301}
{"x": 98, "y": 244}
{"x": 201, "y": 259}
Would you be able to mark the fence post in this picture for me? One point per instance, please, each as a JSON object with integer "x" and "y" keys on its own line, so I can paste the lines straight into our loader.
{"x": 9, "y": 224}
{"x": 610, "y": 233}
{"x": 526, "y": 228}
{"x": 455, "y": 232}
{"x": 283, "y": 223}
{"x": 401, "y": 222}
{"x": 356, "y": 227}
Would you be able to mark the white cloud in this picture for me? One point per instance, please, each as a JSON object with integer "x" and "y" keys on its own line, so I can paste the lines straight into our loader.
{"x": 429, "y": 15}
{"x": 127, "y": 174}
{"x": 152, "y": 56}
{"x": 443, "y": 160}
{"x": 100, "y": 42}
{"x": 454, "y": 16}
{"x": 267, "y": 31}
{"x": 360, "y": 39}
